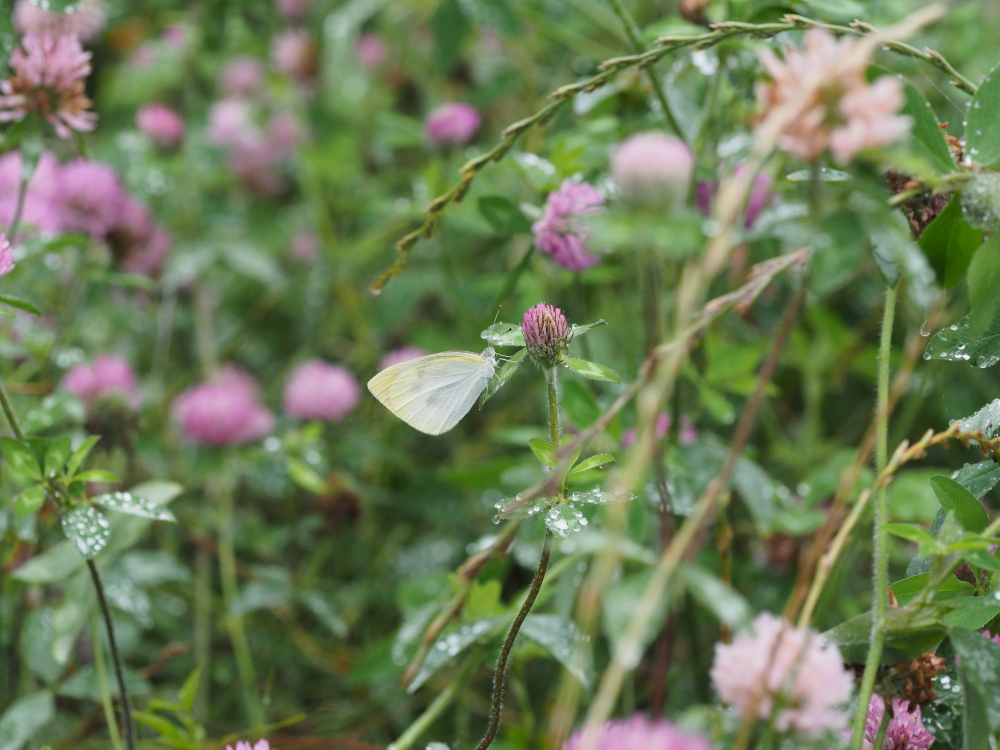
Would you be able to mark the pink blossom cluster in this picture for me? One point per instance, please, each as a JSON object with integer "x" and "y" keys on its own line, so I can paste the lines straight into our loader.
{"x": 318, "y": 390}
{"x": 636, "y": 733}
{"x": 294, "y": 53}
{"x": 255, "y": 154}
{"x": 786, "y": 674}
{"x": 163, "y": 125}
{"x": 370, "y": 51}
{"x": 86, "y": 21}
{"x": 224, "y": 410}
{"x": 452, "y": 124}
{"x": 906, "y": 731}
{"x": 85, "y": 196}
{"x": 243, "y": 745}
{"x": 108, "y": 375}
{"x": 818, "y": 98}
{"x": 688, "y": 433}
{"x": 49, "y": 74}
{"x": 402, "y": 354}
{"x": 559, "y": 233}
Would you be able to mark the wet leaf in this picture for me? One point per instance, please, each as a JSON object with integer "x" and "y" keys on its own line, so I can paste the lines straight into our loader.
{"x": 29, "y": 501}
{"x": 978, "y": 478}
{"x": 949, "y": 242}
{"x": 503, "y": 334}
{"x": 957, "y": 344}
{"x": 126, "y": 502}
{"x": 981, "y": 670}
{"x": 88, "y": 529}
{"x": 20, "y": 458}
{"x": 505, "y": 373}
{"x": 982, "y": 128}
{"x": 561, "y": 638}
{"x": 719, "y": 597}
{"x": 592, "y": 370}
{"x": 25, "y": 717}
{"x": 593, "y": 462}
{"x": 543, "y": 451}
{"x": 450, "y": 645}
{"x": 967, "y": 509}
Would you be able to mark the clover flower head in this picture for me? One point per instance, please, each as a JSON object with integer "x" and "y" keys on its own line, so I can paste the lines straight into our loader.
{"x": 559, "y": 233}
{"x": 319, "y": 390}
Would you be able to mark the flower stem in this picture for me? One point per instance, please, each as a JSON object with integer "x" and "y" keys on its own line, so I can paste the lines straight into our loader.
{"x": 881, "y": 553}
{"x": 233, "y": 620}
{"x": 496, "y": 705}
{"x": 552, "y": 384}
{"x": 434, "y": 710}
{"x": 8, "y": 410}
{"x": 22, "y": 192}
{"x": 115, "y": 657}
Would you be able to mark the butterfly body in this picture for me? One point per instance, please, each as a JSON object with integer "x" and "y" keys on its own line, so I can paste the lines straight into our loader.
{"x": 433, "y": 393}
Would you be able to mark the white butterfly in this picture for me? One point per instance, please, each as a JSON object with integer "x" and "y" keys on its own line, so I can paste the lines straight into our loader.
{"x": 433, "y": 393}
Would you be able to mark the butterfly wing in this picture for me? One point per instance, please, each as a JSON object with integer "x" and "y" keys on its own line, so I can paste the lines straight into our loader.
{"x": 433, "y": 393}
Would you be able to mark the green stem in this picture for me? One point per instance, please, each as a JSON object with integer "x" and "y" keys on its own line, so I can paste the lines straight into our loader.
{"x": 496, "y": 705}
{"x": 882, "y": 729}
{"x": 432, "y": 712}
{"x": 115, "y": 657}
{"x": 8, "y": 410}
{"x": 234, "y": 621}
{"x": 102, "y": 680}
{"x": 22, "y": 191}
{"x": 203, "y": 629}
{"x": 551, "y": 381}
{"x": 881, "y": 552}
{"x": 635, "y": 39}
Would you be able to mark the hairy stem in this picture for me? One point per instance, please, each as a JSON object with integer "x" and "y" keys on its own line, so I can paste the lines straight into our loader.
{"x": 115, "y": 657}
{"x": 496, "y": 703}
{"x": 881, "y": 552}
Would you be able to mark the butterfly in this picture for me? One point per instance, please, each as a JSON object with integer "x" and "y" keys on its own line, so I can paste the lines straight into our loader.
{"x": 433, "y": 393}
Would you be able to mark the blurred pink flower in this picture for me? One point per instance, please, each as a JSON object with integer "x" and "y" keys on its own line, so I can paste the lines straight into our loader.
{"x": 243, "y": 745}
{"x": 242, "y": 76}
{"x": 229, "y": 120}
{"x": 223, "y": 411}
{"x": 318, "y": 390}
{"x": 255, "y": 162}
{"x": 86, "y": 21}
{"x": 292, "y": 10}
{"x": 652, "y": 169}
{"x": 176, "y": 37}
{"x": 760, "y": 196}
{"x": 452, "y": 124}
{"x": 636, "y": 733}
{"x": 370, "y": 51}
{"x": 163, "y": 125}
{"x": 109, "y": 374}
{"x": 687, "y": 435}
{"x": 40, "y": 208}
{"x": 294, "y": 53}
{"x": 305, "y": 245}
{"x": 818, "y": 98}
{"x": 6, "y": 255}
{"x": 90, "y": 197}
{"x": 403, "y": 354}
{"x": 49, "y": 75}
{"x": 284, "y": 132}
{"x": 558, "y": 234}
{"x": 905, "y": 731}
{"x": 790, "y": 672}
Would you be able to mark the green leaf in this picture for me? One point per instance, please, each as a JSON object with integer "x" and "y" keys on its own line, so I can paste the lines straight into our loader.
{"x": 972, "y": 612}
{"x": 189, "y": 690}
{"x": 958, "y": 344}
{"x": 913, "y": 533}
{"x": 80, "y": 455}
{"x": 305, "y": 476}
{"x": 450, "y": 27}
{"x": 57, "y": 563}
{"x": 980, "y": 558}
{"x": 57, "y": 454}
{"x": 593, "y": 462}
{"x": 25, "y": 717}
{"x": 984, "y": 280}
{"x": 21, "y": 304}
{"x": 320, "y": 606}
{"x": 88, "y": 529}
{"x": 592, "y": 370}
{"x": 450, "y": 645}
{"x": 503, "y": 214}
{"x": 543, "y": 451}
{"x": 949, "y": 242}
{"x": 561, "y": 638}
{"x": 718, "y": 596}
{"x": 20, "y": 458}
{"x": 986, "y": 420}
{"x": 967, "y": 509}
{"x": 96, "y": 475}
{"x": 907, "y": 588}
{"x": 29, "y": 501}
{"x": 576, "y": 330}
{"x": 505, "y": 373}
{"x": 504, "y": 334}
{"x": 825, "y": 175}
{"x": 981, "y": 668}
{"x": 126, "y": 502}
{"x": 910, "y": 630}
{"x": 978, "y": 478}
{"x": 982, "y": 128}
{"x": 928, "y": 138}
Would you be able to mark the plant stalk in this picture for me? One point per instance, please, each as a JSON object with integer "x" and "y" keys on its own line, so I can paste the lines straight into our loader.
{"x": 102, "y": 680}
{"x": 115, "y": 657}
{"x": 881, "y": 552}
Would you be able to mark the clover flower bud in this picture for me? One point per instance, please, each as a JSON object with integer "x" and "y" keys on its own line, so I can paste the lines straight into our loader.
{"x": 652, "y": 169}
{"x": 546, "y": 334}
